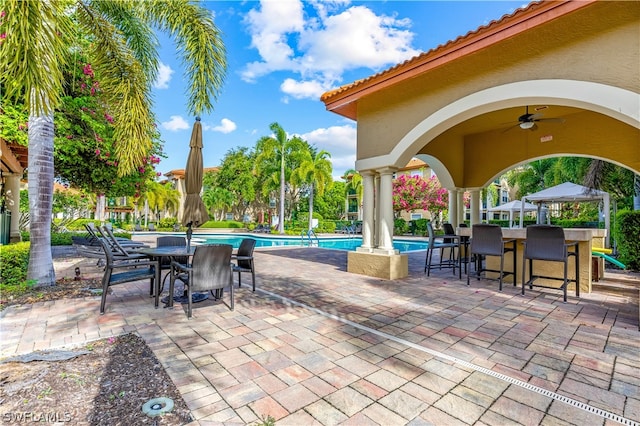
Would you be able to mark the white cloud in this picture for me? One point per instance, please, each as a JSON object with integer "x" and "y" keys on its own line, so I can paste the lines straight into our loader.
{"x": 340, "y": 142}
{"x": 225, "y": 126}
{"x": 269, "y": 28}
{"x": 303, "y": 89}
{"x": 357, "y": 38}
{"x": 322, "y": 48}
{"x": 176, "y": 123}
{"x": 164, "y": 76}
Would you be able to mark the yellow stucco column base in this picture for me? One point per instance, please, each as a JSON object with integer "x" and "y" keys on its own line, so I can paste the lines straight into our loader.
{"x": 388, "y": 267}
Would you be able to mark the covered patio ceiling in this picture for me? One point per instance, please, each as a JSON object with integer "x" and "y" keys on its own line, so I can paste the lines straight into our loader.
{"x": 14, "y": 157}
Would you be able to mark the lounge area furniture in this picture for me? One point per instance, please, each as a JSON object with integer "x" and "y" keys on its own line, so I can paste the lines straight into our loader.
{"x": 124, "y": 270}
{"x": 165, "y": 263}
{"x": 210, "y": 270}
{"x": 548, "y": 243}
{"x": 244, "y": 261}
{"x": 439, "y": 242}
{"x": 487, "y": 240}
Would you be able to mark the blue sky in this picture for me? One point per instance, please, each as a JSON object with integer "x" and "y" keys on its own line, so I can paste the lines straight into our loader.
{"x": 283, "y": 54}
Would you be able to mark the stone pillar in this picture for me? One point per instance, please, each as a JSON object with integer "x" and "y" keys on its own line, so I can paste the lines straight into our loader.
{"x": 368, "y": 209}
{"x": 12, "y": 196}
{"x": 453, "y": 208}
{"x": 385, "y": 204}
{"x": 461, "y": 206}
{"x": 475, "y": 206}
{"x": 376, "y": 196}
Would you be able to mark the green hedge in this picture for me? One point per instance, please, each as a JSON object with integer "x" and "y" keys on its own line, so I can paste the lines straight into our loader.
{"x": 64, "y": 238}
{"x": 223, "y": 224}
{"x": 14, "y": 261}
{"x": 627, "y": 231}
{"x": 400, "y": 226}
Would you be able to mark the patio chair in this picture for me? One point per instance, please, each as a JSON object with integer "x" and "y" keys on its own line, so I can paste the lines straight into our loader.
{"x": 486, "y": 240}
{"x": 244, "y": 261}
{"x": 165, "y": 264}
{"x": 119, "y": 248}
{"x": 131, "y": 270}
{"x": 547, "y": 243}
{"x": 210, "y": 270}
{"x": 95, "y": 232}
{"x": 438, "y": 242}
{"x": 448, "y": 237}
{"x": 152, "y": 227}
{"x": 137, "y": 228}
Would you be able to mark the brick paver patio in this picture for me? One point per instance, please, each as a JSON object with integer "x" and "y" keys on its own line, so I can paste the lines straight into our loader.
{"x": 317, "y": 345}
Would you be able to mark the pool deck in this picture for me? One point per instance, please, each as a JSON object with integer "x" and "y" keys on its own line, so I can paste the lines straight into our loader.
{"x": 317, "y": 345}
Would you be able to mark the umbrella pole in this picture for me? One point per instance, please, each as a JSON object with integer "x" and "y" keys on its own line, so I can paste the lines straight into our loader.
{"x": 189, "y": 233}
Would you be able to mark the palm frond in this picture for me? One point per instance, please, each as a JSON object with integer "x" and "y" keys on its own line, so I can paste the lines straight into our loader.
{"x": 37, "y": 35}
{"x": 126, "y": 87}
{"x": 129, "y": 18}
{"x": 200, "y": 45}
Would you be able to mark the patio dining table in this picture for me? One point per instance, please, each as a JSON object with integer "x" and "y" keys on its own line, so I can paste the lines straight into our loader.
{"x": 157, "y": 253}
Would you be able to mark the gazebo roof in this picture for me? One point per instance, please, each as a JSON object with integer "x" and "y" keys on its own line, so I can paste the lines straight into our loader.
{"x": 566, "y": 193}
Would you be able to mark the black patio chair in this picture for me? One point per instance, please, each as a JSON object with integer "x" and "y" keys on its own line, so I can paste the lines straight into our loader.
{"x": 119, "y": 248}
{"x": 120, "y": 271}
{"x": 486, "y": 240}
{"x": 244, "y": 261}
{"x": 438, "y": 242}
{"x": 165, "y": 264}
{"x": 547, "y": 243}
{"x": 210, "y": 270}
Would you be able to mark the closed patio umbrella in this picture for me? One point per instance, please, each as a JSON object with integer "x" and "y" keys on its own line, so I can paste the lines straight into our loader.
{"x": 195, "y": 212}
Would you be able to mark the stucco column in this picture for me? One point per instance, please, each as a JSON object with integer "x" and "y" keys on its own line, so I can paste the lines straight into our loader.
{"x": 367, "y": 211}
{"x": 376, "y": 197}
{"x": 460, "y": 195}
{"x": 475, "y": 206}
{"x": 12, "y": 196}
{"x": 453, "y": 208}
{"x": 385, "y": 204}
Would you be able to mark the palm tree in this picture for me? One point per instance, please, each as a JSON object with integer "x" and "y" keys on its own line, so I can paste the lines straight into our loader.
{"x": 39, "y": 38}
{"x": 354, "y": 184}
{"x": 315, "y": 170}
{"x": 159, "y": 198}
{"x": 218, "y": 199}
{"x": 274, "y": 150}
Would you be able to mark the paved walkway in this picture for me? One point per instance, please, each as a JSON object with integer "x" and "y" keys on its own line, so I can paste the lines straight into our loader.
{"x": 317, "y": 345}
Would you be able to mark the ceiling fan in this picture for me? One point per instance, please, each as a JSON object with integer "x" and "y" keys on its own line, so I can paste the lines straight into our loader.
{"x": 528, "y": 121}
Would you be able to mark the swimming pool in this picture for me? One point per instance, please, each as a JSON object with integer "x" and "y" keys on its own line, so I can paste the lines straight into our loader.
{"x": 336, "y": 243}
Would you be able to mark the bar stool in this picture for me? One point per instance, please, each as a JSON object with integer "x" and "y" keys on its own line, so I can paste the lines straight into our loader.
{"x": 486, "y": 240}
{"x": 547, "y": 242}
{"x": 441, "y": 242}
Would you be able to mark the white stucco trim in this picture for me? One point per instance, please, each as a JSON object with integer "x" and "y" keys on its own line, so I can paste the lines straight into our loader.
{"x": 617, "y": 103}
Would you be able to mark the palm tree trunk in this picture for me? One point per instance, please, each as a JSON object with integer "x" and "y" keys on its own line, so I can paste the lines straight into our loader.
{"x": 281, "y": 218}
{"x": 311, "y": 208}
{"x": 40, "y": 177}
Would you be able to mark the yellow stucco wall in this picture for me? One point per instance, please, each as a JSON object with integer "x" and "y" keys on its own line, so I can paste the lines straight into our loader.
{"x": 599, "y": 44}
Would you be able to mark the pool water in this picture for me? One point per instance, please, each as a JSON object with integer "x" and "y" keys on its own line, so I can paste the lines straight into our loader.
{"x": 348, "y": 244}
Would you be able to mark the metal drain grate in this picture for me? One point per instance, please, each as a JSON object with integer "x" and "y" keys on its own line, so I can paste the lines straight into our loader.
{"x": 570, "y": 401}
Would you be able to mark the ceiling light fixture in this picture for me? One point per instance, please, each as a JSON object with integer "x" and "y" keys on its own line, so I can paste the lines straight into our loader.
{"x": 527, "y": 125}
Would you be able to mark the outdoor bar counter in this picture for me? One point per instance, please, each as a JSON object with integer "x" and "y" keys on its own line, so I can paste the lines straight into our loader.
{"x": 587, "y": 238}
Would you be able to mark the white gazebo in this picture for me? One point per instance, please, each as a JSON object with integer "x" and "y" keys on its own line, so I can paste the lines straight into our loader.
{"x": 513, "y": 207}
{"x": 569, "y": 193}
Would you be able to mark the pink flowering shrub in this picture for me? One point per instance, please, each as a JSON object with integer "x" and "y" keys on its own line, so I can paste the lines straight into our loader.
{"x": 415, "y": 193}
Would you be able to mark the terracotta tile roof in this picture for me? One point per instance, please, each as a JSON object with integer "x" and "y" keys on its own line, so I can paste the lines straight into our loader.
{"x": 523, "y": 19}
{"x": 179, "y": 173}
{"x": 415, "y": 163}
